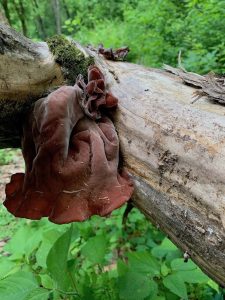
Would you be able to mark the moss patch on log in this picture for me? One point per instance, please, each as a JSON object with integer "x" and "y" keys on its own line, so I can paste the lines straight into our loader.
{"x": 72, "y": 59}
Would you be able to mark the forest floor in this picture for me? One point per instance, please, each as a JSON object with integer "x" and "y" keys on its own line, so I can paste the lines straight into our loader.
{"x": 14, "y": 165}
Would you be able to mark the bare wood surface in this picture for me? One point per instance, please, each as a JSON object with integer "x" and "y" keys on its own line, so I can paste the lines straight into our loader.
{"x": 173, "y": 149}
{"x": 26, "y": 68}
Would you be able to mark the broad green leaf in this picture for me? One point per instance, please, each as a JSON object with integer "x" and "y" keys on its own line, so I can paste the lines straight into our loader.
{"x": 178, "y": 264}
{"x": 6, "y": 266}
{"x": 164, "y": 249}
{"x": 48, "y": 239}
{"x": 213, "y": 285}
{"x": 88, "y": 293}
{"x": 33, "y": 242}
{"x": 38, "y": 294}
{"x": 143, "y": 262}
{"x": 23, "y": 242}
{"x": 95, "y": 249}
{"x": 122, "y": 267}
{"x": 133, "y": 286}
{"x": 164, "y": 269}
{"x": 195, "y": 276}
{"x": 17, "y": 286}
{"x": 57, "y": 259}
{"x": 46, "y": 281}
{"x": 176, "y": 285}
{"x": 157, "y": 298}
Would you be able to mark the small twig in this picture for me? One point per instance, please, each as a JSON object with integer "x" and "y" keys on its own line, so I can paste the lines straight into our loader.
{"x": 179, "y": 61}
{"x": 128, "y": 209}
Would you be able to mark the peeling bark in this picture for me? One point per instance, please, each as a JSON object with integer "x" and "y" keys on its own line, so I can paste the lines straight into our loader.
{"x": 173, "y": 149}
{"x": 210, "y": 85}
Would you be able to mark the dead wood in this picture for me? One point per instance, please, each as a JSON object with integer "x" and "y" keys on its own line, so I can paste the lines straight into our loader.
{"x": 174, "y": 150}
{"x": 210, "y": 85}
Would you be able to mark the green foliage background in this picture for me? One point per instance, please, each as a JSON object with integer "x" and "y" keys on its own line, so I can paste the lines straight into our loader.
{"x": 155, "y": 30}
{"x": 101, "y": 258}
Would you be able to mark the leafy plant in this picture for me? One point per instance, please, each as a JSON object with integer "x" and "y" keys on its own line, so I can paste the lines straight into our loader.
{"x": 98, "y": 259}
{"x": 155, "y": 30}
{"x": 7, "y": 156}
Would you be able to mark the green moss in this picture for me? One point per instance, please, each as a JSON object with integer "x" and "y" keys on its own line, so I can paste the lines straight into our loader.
{"x": 71, "y": 59}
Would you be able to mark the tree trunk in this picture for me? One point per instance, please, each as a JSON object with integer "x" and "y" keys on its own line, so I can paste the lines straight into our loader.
{"x": 68, "y": 16}
{"x": 56, "y": 9}
{"x": 174, "y": 150}
{"x": 6, "y": 12}
{"x": 40, "y": 23}
{"x": 20, "y": 9}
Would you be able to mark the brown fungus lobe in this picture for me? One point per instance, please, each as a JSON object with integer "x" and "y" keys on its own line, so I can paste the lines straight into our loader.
{"x": 113, "y": 54}
{"x": 71, "y": 153}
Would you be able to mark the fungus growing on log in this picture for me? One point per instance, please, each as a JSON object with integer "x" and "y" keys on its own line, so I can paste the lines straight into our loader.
{"x": 71, "y": 153}
{"x": 117, "y": 54}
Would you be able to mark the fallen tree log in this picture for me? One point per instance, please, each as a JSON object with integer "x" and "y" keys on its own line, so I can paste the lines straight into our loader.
{"x": 174, "y": 150}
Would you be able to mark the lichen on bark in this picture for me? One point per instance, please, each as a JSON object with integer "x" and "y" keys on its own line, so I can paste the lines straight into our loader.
{"x": 70, "y": 57}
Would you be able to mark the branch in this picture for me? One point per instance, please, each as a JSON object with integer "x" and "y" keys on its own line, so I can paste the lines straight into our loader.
{"x": 174, "y": 150}
{"x": 28, "y": 71}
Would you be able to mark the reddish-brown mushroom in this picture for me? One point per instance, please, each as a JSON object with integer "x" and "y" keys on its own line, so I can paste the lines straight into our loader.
{"x": 113, "y": 54}
{"x": 71, "y": 153}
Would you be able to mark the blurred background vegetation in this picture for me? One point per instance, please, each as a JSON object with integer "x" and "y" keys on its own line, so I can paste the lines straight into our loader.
{"x": 155, "y": 30}
{"x": 102, "y": 258}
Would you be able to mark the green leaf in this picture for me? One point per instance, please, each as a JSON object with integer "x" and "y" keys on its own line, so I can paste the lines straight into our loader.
{"x": 38, "y": 294}
{"x": 158, "y": 298}
{"x": 144, "y": 262}
{"x": 133, "y": 286}
{"x": 178, "y": 264}
{"x": 46, "y": 281}
{"x": 95, "y": 249}
{"x": 48, "y": 239}
{"x": 57, "y": 259}
{"x": 164, "y": 269}
{"x": 24, "y": 241}
{"x": 122, "y": 267}
{"x": 213, "y": 285}
{"x": 176, "y": 285}
{"x": 195, "y": 276}
{"x": 6, "y": 266}
{"x": 164, "y": 249}
{"x": 17, "y": 286}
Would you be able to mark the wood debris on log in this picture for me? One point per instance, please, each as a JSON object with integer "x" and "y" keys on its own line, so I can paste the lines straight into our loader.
{"x": 210, "y": 85}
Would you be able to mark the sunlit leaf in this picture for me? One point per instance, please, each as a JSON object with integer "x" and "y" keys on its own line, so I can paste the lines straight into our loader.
{"x": 57, "y": 259}
{"x": 176, "y": 285}
{"x": 194, "y": 276}
{"x": 38, "y": 294}
{"x": 178, "y": 264}
{"x": 17, "y": 286}
{"x": 133, "y": 286}
{"x": 95, "y": 249}
{"x": 143, "y": 262}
